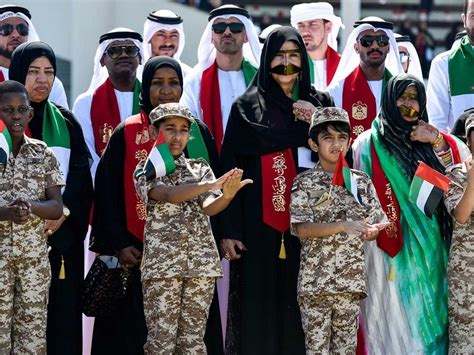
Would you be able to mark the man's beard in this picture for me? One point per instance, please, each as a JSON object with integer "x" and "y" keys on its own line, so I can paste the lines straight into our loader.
{"x": 470, "y": 35}
{"x": 6, "y": 53}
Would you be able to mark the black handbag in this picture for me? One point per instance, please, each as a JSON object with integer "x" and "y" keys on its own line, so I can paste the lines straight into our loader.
{"x": 104, "y": 287}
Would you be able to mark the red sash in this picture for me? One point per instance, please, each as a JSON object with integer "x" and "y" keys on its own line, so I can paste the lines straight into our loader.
{"x": 2, "y": 78}
{"x": 359, "y": 102}
{"x": 454, "y": 147}
{"x": 105, "y": 115}
{"x": 332, "y": 61}
{"x": 211, "y": 103}
{"x": 278, "y": 173}
{"x": 390, "y": 240}
{"x": 138, "y": 144}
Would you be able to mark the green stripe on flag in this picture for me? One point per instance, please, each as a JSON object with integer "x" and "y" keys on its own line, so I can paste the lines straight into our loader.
{"x": 249, "y": 71}
{"x": 167, "y": 157}
{"x": 461, "y": 59}
{"x": 415, "y": 189}
{"x": 196, "y": 146}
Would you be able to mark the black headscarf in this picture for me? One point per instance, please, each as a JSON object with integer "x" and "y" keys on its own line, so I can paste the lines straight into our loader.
{"x": 24, "y": 55}
{"x": 22, "y": 58}
{"x": 396, "y": 131}
{"x": 395, "y": 134}
{"x": 151, "y": 66}
{"x": 261, "y": 119}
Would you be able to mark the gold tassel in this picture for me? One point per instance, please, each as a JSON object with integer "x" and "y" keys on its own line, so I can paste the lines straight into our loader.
{"x": 282, "y": 254}
{"x": 391, "y": 273}
{"x": 62, "y": 272}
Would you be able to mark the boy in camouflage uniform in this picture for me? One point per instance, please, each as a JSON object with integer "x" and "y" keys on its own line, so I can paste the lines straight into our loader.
{"x": 332, "y": 227}
{"x": 30, "y": 192}
{"x": 459, "y": 201}
{"x": 180, "y": 257}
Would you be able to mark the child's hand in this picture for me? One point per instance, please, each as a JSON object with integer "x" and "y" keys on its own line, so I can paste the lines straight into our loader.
{"x": 20, "y": 211}
{"x": 469, "y": 171}
{"x": 217, "y": 184}
{"x": 233, "y": 184}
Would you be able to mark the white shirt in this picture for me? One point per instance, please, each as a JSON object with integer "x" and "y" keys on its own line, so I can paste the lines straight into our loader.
{"x": 57, "y": 94}
{"x": 336, "y": 91}
{"x": 82, "y": 111}
{"x": 320, "y": 74}
{"x": 443, "y": 109}
{"x": 231, "y": 85}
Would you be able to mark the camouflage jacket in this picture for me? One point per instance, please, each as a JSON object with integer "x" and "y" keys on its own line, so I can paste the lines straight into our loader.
{"x": 28, "y": 175}
{"x": 461, "y": 256}
{"x": 178, "y": 237}
{"x": 333, "y": 264}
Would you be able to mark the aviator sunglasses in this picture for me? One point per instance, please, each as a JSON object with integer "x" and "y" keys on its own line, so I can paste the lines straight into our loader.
{"x": 116, "y": 51}
{"x": 382, "y": 40}
{"x": 7, "y": 29}
{"x": 235, "y": 27}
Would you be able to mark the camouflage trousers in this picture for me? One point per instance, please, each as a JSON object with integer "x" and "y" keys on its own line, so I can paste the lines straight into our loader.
{"x": 330, "y": 322}
{"x": 461, "y": 290}
{"x": 24, "y": 285}
{"x": 176, "y": 311}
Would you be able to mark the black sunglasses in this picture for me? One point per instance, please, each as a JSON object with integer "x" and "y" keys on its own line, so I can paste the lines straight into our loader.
{"x": 116, "y": 51}
{"x": 382, "y": 40}
{"x": 235, "y": 27}
{"x": 7, "y": 29}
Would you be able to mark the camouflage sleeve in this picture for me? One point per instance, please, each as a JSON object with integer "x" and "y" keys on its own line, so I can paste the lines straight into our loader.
{"x": 142, "y": 186}
{"x": 208, "y": 175}
{"x": 53, "y": 175}
{"x": 455, "y": 189}
{"x": 376, "y": 213}
{"x": 300, "y": 210}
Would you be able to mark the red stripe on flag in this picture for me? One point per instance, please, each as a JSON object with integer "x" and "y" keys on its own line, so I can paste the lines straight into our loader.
{"x": 432, "y": 176}
{"x": 338, "y": 177}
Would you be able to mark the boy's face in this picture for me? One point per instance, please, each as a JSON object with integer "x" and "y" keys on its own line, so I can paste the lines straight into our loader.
{"x": 329, "y": 145}
{"x": 16, "y": 112}
{"x": 176, "y": 133}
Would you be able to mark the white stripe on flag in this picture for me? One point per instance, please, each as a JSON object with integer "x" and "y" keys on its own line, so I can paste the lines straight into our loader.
{"x": 354, "y": 189}
{"x": 4, "y": 143}
{"x": 158, "y": 163}
{"x": 423, "y": 194}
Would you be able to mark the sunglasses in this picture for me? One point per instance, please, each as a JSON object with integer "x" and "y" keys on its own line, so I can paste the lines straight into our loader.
{"x": 7, "y": 29}
{"x": 382, "y": 40}
{"x": 235, "y": 27}
{"x": 404, "y": 57}
{"x": 116, "y": 51}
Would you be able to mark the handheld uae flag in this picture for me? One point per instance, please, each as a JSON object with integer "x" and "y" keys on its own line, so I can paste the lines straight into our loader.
{"x": 344, "y": 177}
{"x": 160, "y": 162}
{"x": 427, "y": 188}
{"x": 5, "y": 143}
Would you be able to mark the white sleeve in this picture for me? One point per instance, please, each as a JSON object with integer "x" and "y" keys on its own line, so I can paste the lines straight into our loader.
{"x": 191, "y": 93}
{"x": 82, "y": 111}
{"x": 438, "y": 93}
{"x": 335, "y": 90}
{"x": 58, "y": 95}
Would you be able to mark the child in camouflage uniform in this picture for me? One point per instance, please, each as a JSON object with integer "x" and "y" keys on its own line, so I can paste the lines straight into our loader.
{"x": 30, "y": 192}
{"x": 180, "y": 257}
{"x": 332, "y": 227}
{"x": 459, "y": 201}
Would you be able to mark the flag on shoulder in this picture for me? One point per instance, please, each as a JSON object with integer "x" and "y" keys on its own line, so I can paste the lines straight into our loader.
{"x": 160, "y": 161}
{"x": 344, "y": 177}
{"x": 427, "y": 188}
{"x": 5, "y": 143}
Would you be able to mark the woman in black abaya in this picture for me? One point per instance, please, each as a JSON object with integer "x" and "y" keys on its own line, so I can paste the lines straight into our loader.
{"x": 266, "y": 140}
{"x": 34, "y": 65}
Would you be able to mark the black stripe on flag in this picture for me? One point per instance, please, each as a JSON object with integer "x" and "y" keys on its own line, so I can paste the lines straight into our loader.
{"x": 433, "y": 200}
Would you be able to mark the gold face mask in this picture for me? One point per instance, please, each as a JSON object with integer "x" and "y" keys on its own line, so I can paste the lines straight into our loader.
{"x": 408, "y": 111}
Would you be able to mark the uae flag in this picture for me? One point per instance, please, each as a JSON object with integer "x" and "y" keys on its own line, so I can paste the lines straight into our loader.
{"x": 5, "y": 143}
{"x": 160, "y": 162}
{"x": 343, "y": 177}
{"x": 427, "y": 188}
